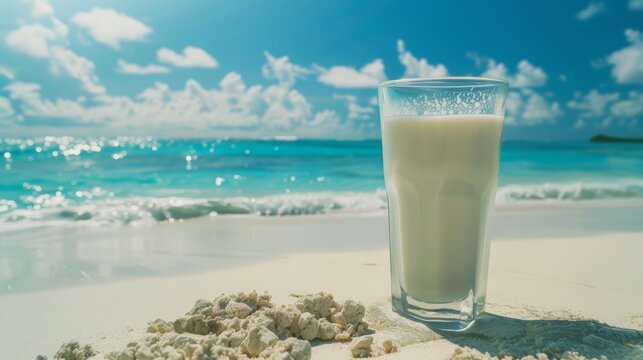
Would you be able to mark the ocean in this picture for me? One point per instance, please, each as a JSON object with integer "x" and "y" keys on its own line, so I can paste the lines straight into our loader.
{"x": 54, "y": 181}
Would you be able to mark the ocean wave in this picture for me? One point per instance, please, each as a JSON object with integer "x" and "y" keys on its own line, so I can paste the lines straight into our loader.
{"x": 56, "y": 210}
{"x": 571, "y": 191}
{"x": 141, "y": 210}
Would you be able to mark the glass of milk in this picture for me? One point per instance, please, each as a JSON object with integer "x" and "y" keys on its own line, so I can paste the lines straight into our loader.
{"x": 441, "y": 144}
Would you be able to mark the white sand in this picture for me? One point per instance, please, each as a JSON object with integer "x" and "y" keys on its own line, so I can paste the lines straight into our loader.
{"x": 571, "y": 277}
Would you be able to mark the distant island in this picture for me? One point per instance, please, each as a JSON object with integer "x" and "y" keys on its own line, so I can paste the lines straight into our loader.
{"x": 608, "y": 138}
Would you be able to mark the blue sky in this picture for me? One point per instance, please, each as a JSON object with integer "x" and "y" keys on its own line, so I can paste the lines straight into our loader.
{"x": 269, "y": 68}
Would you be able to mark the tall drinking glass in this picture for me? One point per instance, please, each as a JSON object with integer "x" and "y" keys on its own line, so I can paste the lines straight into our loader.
{"x": 441, "y": 144}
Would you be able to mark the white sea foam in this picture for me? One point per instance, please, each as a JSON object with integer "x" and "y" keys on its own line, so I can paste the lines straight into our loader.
{"x": 572, "y": 191}
{"x": 141, "y": 209}
{"x": 57, "y": 210}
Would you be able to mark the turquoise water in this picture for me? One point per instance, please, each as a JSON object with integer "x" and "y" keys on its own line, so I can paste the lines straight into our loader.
{"x": 57, "y": 180}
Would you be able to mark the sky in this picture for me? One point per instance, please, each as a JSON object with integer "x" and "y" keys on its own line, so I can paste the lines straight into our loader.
{"x": 308, "y": 69}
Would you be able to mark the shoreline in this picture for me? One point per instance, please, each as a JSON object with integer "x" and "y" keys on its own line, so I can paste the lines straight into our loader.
{"x": 499, "y": 208}
{"x": 46, "y": 258}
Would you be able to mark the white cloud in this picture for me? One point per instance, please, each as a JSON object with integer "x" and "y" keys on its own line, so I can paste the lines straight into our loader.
{"x": 580, "y": 124}
{"x": 562, "y": 77}
{"x": 593, "y": 103}
{"x": 78, "y": 67}
{"x": 339, "y": 76}
{"x": 32, "y": 40}
{"x": 231, "y": 107}
{"x": 233, "y": 83}
{"x": 40, "y": 41}
{"x": 264, "y": 111}
{"x": 606, "y": 122}
{"x": 636, "y": 5}
{"x": 7, "y": 73}
{"x": 592, "y": 10}
{"x": 20, "y": 90}
{"x": 326, "y": 119}
{"x": 527, "y": 75}
{"x": 628, "y": 62}
{"x": 282, "y": 69}
{"x": 42, "y": 8}
{"x": 374, "y": 101}
{"x": 355, "y": 111}
{"x": 232, "y": 104}
{"x": 191, "y": 57}
{"x": 538, "y": 109}
{"x": 527, "y": 107}
{"x": 48, "y": 43}
{"x": 286, "y": 108}
{"x": 604, "y": 109}
{"x": 633, "y": 36}
{"x": 415, "y": 67}
{"x": 59, "y": 27}
{"x": 33, "y": 105}
{"x": 6, "y": 110}
{"x": 598, "y": 63}
{"x": 158, "y": 104}
{"x": 135, "y": 69}
{"x": 513, "y": 104}
{"x": 630, "y": 107}
{"x": 496, "y": 71}
{"x": 109, "y": 27}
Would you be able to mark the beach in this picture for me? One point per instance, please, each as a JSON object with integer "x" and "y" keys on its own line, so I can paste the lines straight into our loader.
{"x": 321, "y": 180}
{"x": 553, "y": 268}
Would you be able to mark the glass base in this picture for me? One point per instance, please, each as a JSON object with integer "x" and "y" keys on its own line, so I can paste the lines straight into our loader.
{"x": 452, "y": 316}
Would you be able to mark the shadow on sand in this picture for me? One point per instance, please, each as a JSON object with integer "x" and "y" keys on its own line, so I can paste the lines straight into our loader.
{"x": 499, "y": 336}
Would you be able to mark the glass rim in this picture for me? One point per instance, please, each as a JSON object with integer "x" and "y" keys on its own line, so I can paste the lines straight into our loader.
{"x": 445, "y": 82}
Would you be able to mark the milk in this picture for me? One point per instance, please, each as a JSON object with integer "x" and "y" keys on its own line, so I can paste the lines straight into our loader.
{"x": 441, "y": 174}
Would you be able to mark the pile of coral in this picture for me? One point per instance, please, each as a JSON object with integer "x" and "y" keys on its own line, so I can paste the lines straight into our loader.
{"x": 242, "y": 326}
